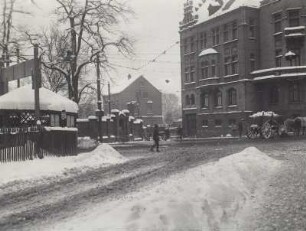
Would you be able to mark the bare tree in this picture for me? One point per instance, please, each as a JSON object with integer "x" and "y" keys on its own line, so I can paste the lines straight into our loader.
{"x": 92, "y": 29}
{"x": 9, "y": 36}
{"x": 54, "y": 43}
{"x": 171, "y": 108}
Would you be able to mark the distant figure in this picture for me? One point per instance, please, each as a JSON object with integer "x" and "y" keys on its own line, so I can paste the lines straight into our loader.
{"x": 155, "y": 138}
{"x": 167, "y": 133}
{"x": 180, "y": 132}
{"x": 240, "y": 128}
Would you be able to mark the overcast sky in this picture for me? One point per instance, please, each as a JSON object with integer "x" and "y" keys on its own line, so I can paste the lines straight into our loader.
{"x": 155, "y": 29}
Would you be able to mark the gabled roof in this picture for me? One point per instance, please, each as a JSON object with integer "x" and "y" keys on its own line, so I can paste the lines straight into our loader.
{"x": 23, "y": 99}
{"x": 124, "y": 84}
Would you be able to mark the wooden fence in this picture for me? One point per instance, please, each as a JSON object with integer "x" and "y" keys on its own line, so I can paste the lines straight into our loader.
{"x": 20, "y": 144}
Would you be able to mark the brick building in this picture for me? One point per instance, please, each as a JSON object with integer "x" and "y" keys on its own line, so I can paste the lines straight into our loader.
{"x": 139, "y": 96}
{"x": 240, "y": 57}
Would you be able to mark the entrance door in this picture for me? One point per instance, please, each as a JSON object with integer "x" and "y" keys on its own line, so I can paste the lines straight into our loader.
{"x": 191, "y": 125}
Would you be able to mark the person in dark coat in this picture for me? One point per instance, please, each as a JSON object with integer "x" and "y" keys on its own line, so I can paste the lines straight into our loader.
{"x": 180, "y": 132}
{"x": 155, "y": 138}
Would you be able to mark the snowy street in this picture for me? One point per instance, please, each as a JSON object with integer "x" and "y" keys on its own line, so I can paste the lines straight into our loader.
{"x": 83, "y": 200}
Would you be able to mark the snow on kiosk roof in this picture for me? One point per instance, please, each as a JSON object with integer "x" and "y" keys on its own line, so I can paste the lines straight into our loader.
{"x": 23, "y": 99}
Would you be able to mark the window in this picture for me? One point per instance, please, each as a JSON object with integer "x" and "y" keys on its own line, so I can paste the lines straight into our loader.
{"x": 204, "y": 123}
{"x": 277, "y": 22}
{"x": 54, "y": 120}
{"x": 278, "y": 58}
{"x": 145, "y": 94}
{"x": 186, "y": 74}
{"x": 278, "y": 41}
{"x": 218, "y": 99}
{"x": 149, "y": 107}
{"x": 215, "y": 36}
{"x": 293, "y": 18}
{"x": 234, "y": 30}
{"x": 185, "y": 46}
{"x": 234, "y": 54}
{"x": 274, "y": 95}
{"x": 204, "y": 69}
{"x": 294, "y": 92}
{"x": 252, "y": 27}
{"x": 192, "y": 46}
{"x": 203, "y": 40}
{"x": 252, "y": 62}
{"x": 218, "y": 123}
{"x": 70, "y": 121}
{"x": 204, "y": 100}
{"x": 187, "y": 100}
{"x": 227, "y": 61}
{"x": 213, "y": 68}
{"x": 192, "y": 74}
{"x": 231, "y": 60}
{"x": 232, "y": 96}
{"x": 225, "y": 33}
{"x": 192, "y": 99}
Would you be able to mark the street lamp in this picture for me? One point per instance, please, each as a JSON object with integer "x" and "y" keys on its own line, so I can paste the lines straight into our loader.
{"x": 290, "y": 56}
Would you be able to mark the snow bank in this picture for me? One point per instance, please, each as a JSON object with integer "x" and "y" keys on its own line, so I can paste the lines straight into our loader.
{"x": 208, "y": 197}
{"x": 103, "y": 155}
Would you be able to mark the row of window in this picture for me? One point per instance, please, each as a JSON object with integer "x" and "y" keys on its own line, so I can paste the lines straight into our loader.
{"x": 229, "y": 31}
{"x": 294, "y": 93}
{"x": 217, "y": 98}
{"x": 293, "y": 16}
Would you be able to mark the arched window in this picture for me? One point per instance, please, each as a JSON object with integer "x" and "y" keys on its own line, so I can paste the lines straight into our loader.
{"x": 274, "y": 95}
{"x": 192, "y": 99}
{"x": 204, "y": 100}
{"x": 232, "y": 96}
{"x": 218, "y": 98}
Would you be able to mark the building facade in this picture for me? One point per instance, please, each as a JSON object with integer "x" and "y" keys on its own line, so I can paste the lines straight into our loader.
{"x": 239, "y": 58}
{"x": 139, "y": 96}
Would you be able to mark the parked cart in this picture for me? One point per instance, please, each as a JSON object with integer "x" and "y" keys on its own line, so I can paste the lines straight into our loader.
{"x": 265, "y": 125}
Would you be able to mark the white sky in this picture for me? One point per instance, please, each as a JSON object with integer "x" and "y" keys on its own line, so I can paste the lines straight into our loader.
{"x": 155, "y": 28}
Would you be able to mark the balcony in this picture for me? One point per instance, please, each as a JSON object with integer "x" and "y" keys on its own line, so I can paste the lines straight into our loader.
{"x": 290, "y": 72}
{"x": 295, "y": 32}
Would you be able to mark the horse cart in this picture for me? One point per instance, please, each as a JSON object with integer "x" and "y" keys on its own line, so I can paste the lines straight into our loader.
{"x": 265, "y": 125}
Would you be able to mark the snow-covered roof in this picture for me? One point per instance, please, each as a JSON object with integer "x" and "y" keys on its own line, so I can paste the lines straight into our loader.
{"x": 264, "y": 113}
{"x": 123, "y": 84}
{"x": 201, "y": 7}
{"x": 23, "y": 99}
{"x": 209, "y": 51}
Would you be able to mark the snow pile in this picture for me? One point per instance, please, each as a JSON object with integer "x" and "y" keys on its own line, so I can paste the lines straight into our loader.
{"x": 209, "y": 197}
{"x": 37, "y": 169}
{"x": 86, "y": 143}
{"x": 23, "y": 99}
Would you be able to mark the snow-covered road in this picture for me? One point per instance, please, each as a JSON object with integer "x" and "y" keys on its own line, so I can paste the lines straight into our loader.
{"x": 50, "y": 202}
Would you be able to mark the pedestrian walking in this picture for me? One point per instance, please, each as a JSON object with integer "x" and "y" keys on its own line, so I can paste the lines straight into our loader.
{"x": 155, "y": 138}
{"x": 180, "y": 132}
{"x": 240, "y": 128}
